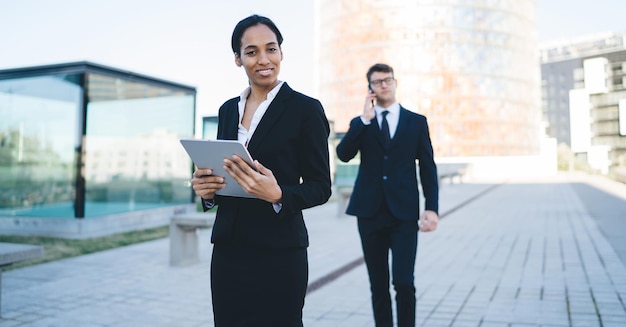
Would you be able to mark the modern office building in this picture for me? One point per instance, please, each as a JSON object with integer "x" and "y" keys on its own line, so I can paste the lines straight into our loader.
{"x": 87, "y": 149}
{"x": 469, "y": 66}
{"x": 584, "y": 98}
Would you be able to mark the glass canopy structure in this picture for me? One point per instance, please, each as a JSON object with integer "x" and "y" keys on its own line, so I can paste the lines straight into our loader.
{"x": 83, "y": 140}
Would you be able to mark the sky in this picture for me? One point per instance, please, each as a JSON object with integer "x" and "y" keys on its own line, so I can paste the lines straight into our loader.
{"x": 188, "y": 41}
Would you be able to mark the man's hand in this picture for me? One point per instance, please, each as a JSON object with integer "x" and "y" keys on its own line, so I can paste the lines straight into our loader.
{"x": 205, "y": 184}
{"x": 260, "y": 182}
{"x": 368, "y": 109}
{"x": 429, "y": 220}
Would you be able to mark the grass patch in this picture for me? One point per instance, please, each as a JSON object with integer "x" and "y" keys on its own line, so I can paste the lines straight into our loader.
{"x": 59, "y": 248}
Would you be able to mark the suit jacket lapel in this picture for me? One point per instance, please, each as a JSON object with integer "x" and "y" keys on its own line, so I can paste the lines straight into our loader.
{"x": 400, "y": 127}
{"x": 403, "y": 124}
{"x": 231, "y": 122}
{"x": 379, "y": 132}
{"x": 274, "y": 111}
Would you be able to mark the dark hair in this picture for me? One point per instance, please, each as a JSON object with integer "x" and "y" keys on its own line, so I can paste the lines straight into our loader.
{"x": 384, "y": 68}
{"x": 248, "y": 22}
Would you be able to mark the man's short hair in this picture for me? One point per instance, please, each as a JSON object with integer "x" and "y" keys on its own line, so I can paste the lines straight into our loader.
{"x": 382, "y": 68}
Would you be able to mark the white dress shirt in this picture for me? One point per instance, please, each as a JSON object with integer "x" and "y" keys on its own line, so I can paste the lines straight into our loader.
{"x": 392, "y": 117}
{"x": 244, "y": 135}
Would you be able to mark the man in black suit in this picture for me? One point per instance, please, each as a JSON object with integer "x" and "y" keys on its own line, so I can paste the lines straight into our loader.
{"x": 385, "y": 197}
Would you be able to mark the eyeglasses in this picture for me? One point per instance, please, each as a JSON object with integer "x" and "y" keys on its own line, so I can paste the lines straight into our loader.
{"x": 379, "y": 82}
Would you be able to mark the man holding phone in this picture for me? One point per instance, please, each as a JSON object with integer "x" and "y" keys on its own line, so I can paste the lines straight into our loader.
{"x": 385, "y": 197}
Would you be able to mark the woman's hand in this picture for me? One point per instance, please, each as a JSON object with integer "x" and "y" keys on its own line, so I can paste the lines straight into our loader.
{"x": 205, "y": 184}
{"x": 258, "y": 180}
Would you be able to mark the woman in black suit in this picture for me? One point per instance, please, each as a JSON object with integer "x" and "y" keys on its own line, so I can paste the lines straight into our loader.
{"x": 259, "y": 267}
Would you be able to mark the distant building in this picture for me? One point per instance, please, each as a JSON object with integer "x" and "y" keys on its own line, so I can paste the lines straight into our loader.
{"x": 584, "y": 97}
{"x": 85, "y": 142}
{"x": 470, "y": 67}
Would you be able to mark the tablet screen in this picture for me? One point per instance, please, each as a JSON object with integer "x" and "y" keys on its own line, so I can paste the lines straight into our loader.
{"x": 211, "y": 154}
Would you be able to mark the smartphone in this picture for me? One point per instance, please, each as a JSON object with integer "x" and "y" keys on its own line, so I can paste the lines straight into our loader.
{"x": 369, "y": 89}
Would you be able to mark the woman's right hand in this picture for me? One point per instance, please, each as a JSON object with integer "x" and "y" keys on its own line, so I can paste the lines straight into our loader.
{"x": 205, "y": 184}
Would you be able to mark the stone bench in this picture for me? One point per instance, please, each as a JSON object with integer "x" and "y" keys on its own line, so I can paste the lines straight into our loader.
{"x": 11, "y": 253}
{"x": 184, "y": 236}
{"x": 451, "y": 175}
{"x": 451, "y": 171}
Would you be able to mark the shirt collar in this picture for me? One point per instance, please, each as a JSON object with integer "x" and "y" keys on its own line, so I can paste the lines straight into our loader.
{"x": 270, "y": 96}
{"x": 393, "y": 109}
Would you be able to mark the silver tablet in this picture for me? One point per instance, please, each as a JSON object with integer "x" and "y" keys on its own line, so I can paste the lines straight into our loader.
{"x": 211, "y": 154}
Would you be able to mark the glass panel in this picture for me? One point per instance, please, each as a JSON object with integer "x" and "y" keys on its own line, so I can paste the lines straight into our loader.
{"x": 209, "y": 127}
{"x": 133, "y": 157}
{"x": 38, "y": 137}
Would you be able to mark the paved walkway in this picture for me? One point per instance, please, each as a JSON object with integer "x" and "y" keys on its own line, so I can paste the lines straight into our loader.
{"x": 522, "y": 253}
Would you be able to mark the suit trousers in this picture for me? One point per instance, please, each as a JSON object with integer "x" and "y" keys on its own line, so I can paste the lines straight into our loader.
{"x": 253, "y": 286}
{"x": 379, "y": 235}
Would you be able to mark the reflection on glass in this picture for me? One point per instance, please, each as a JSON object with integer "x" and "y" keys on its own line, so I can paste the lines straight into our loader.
{"x": 209, "y": 127}
{"x": 130, "y": 156}
{"x": 37, "y": 141}
{"x": 133, "y": 158}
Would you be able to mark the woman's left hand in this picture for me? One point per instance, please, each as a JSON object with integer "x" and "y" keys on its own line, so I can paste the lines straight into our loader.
{"x": 260, "y": 182}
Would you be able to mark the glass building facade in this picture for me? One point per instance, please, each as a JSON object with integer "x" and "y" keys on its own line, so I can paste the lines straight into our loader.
{"x": 584, "y": 98}
{"x": 469, "y": 66}
{"x": 562, "y": 70}
{"x": 84, "y": 140}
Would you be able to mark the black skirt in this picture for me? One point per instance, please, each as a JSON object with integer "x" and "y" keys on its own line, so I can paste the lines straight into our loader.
{"x": 258, "y": 286}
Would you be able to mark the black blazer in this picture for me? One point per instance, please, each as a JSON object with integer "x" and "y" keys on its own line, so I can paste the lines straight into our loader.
{"x": 292, "y": 141}
{"x": 390, "y": 174}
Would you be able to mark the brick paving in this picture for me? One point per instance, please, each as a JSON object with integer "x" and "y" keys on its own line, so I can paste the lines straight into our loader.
{"x": 521, "y": 253}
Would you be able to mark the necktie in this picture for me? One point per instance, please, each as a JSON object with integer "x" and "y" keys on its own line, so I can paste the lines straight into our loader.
{"x": 384, "y": 128}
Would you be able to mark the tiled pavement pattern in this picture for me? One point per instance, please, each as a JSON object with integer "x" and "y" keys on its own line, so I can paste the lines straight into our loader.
{"x": 514, "y": 254}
